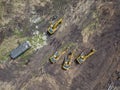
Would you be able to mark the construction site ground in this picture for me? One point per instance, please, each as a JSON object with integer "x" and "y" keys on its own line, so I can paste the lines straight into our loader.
{"x": 87, "y": 24}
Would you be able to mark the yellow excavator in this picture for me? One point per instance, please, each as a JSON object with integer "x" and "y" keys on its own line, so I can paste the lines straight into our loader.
{"x": 68, "y": 60}
{"x": 83, "y": 57}
{"x": 57, "y": 55}
{"x": 53, "y": 27}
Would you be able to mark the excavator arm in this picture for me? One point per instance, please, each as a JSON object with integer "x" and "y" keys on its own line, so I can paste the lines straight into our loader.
{"x": 57, "y": 24}
{"x": 89, "y": 54}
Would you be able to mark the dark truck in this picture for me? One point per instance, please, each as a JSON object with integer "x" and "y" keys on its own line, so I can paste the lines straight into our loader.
{"x": 20, "y": 49}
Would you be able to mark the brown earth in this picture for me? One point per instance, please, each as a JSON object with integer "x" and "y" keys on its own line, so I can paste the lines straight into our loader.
{"x": 88, "y": 24}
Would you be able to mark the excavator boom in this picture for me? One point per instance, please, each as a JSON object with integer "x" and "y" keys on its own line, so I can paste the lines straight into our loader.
{"x": 89, "y": 54}
{"x": 57, "y": 23}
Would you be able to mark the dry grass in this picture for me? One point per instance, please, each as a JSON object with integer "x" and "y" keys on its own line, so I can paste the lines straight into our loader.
{"x": 6, "y": 86}
{"x": 90, "y": 29}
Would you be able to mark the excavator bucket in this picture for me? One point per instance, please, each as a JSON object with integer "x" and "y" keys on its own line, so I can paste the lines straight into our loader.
{"x": 54, "y": 17}
{"x": 83, "y": 57}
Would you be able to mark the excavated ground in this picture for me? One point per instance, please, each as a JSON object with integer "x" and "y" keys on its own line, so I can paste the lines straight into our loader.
{"x": 94, "y": 74}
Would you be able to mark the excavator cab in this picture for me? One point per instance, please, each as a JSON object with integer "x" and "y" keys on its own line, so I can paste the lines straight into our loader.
{"x": 68, "y": 60}
{"x": 57, "y": 55}
{"x": 53, "y": 27}
{"x": 83, "y": 57}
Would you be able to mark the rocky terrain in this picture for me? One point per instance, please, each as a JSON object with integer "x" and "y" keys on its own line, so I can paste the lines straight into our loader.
{"x": 86, "y": 23}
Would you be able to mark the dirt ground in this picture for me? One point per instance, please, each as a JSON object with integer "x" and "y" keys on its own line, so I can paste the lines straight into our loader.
{"x": 87, "y": 24}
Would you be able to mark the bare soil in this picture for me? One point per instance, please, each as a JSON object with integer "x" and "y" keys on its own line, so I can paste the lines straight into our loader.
{"x": 94, "y": 74}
